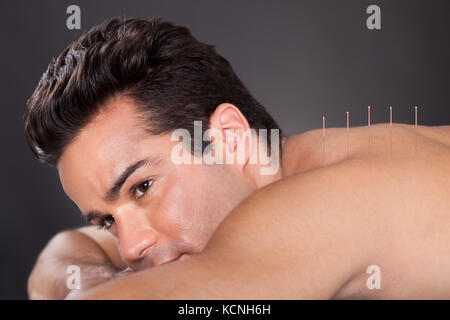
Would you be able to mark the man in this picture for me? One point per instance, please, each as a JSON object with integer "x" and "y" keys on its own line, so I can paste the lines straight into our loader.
{"x": 104, "y": 114}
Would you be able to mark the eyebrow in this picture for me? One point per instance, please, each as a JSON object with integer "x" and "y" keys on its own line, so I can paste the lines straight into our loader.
{"x": 114, "y": 191}
{"x": 93, "y": 214}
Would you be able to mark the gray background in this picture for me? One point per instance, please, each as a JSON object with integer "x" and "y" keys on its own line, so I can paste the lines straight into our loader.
{"x": 301, "y": 59}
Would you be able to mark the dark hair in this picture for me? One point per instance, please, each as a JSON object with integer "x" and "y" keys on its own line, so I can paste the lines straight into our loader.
{"x": 173, "y": 78}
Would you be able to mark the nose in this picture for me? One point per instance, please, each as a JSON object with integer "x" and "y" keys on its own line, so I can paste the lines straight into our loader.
{"x": 136, "y": 236}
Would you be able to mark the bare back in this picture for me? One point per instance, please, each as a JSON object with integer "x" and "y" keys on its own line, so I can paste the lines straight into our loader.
{"x": 409, "y": 196}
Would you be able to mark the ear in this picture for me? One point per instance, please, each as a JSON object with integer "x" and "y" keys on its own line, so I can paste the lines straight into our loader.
{"x": 234, "y": 128}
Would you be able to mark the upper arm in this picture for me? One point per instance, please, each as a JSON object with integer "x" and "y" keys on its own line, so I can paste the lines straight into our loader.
{"x": 302, "y": 237}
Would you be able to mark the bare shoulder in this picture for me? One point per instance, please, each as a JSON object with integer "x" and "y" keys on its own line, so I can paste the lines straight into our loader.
{"x": 308, "y": 234}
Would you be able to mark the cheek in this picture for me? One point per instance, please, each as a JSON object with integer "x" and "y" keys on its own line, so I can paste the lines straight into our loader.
{"x": 186, "y": 211}
{"x": 179, "y": 212}
{"x": 189, "y": 209}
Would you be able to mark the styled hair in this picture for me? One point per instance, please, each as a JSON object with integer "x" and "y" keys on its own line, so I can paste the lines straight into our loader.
{"x": 172, "y": 77}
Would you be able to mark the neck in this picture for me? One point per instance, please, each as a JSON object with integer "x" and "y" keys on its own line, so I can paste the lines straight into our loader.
{"x": 262, "y": 175}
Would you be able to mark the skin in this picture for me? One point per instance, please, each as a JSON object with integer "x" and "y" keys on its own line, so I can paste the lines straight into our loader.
{"x": 312, "y": 229}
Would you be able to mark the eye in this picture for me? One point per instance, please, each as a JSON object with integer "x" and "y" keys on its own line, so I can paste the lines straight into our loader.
{"x": 107, "y": 222}
{"x": 142, "y": 188}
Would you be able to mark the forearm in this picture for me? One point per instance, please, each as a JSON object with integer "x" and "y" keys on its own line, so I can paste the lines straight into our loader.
{"x": 49, "y": 278}
{"x": 190, "y": 279}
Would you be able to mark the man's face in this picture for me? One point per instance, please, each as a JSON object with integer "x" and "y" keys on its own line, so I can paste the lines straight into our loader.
{"x": 157, "y": 210}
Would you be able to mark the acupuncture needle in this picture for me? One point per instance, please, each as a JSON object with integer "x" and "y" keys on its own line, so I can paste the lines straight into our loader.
{"x": 323, "y": 139}
{"x": 390, "y": 126}
{"x": 415, "y": 123}
{"x": 368, "y": 129}
{"x": 348, "y": 143}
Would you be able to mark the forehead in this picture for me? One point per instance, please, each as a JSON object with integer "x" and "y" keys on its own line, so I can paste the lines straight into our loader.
{"x": 106, "y": 146}
{"x": 112, "y": 129}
